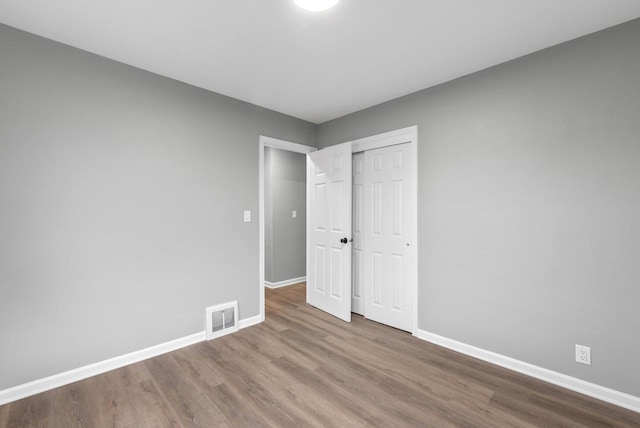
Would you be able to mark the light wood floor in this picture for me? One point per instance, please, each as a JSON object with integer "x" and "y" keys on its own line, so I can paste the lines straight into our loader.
{"x": 302, "y": 367}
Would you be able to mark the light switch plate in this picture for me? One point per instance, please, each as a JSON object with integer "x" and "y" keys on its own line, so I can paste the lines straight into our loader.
{"x": 294, "y": 214}
{"x": 247, "y": 216}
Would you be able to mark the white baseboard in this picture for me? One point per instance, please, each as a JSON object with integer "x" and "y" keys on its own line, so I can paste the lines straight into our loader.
{"x": 37, "y": 386}
{"x": 587, "y": 388}
{"x": 248, "y": 322}
{"x": 41, "y": 385}
{"x": 285, "y": 282}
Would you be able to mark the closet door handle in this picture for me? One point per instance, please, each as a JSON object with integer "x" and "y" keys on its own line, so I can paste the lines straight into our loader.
{"x": 344, "y": 240}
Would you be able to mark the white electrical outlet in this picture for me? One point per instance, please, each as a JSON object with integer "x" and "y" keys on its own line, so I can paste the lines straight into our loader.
{"x": 583, "y": 355}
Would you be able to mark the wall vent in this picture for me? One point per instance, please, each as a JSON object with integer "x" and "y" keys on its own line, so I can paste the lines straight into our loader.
{"x": 222, "y": 319}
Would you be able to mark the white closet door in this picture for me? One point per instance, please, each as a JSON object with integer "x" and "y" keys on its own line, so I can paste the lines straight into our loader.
{"x": 357, "y": 258}
{"x": 388, "y": 236}
{"x": 329, "y": 186}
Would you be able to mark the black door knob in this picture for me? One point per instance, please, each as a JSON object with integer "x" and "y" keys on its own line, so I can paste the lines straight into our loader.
{"x": 344, "y": 240}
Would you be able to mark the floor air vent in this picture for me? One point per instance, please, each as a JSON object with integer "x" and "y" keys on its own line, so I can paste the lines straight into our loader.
{"x": 222, "y": 319}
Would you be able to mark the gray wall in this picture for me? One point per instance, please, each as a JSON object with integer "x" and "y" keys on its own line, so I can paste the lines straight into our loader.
{"x": 285, "y": 237}
{"x": 529, "y": 204}
{"x": 121, "y": 202}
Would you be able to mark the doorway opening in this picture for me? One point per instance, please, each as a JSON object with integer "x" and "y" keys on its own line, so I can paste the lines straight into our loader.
{"x": 279, "y": 213}
{"x": 285, "y": 214}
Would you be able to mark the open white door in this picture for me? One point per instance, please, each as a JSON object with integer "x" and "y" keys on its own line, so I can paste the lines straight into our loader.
{"x": 329, "y": 230}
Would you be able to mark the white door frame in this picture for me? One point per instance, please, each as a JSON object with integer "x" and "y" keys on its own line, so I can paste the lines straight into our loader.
{"x": 400, "y": 136}
{"x": 276, "y": 144}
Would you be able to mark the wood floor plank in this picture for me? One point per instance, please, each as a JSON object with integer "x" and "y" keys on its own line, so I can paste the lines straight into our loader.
{"x": 139, "y": 405}
{"x": 25, "y": 413}
{"x": 321, "y": 385}
{"x": 187, "y": 399}
{"x": 260, "y": 391}
{"x": 303, "y": 367}
{"x": 4, "y": 415}
{"x": 526, "y": 411}
{"x": 445, "y": 384}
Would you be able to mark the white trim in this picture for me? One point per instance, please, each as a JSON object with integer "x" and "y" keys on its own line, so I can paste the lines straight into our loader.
{"x": 583, "y": 387}
{"x": 307, "y": 262}
{"x": 250, "y": 322}
{"x": 41, "y": 385}
{"x": 399, "y": 136}
{"x": 61, "y": 379}
{"x": 392, "y": 138}
{"x": 277, "y": 144}
{"x": 285, "y": 283}
{"x": 413, "y": 131}
{"x": 286, "y": 145}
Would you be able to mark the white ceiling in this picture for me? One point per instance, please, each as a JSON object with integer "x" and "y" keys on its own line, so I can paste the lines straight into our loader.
{"x": 314, "y": 66}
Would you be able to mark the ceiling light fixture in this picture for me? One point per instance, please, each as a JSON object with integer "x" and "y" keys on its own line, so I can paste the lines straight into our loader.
{"x": 316, "y": 5}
